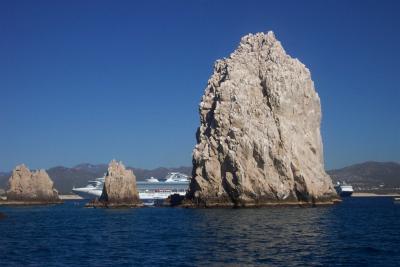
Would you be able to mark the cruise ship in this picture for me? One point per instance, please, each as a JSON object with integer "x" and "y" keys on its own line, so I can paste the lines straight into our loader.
{"x": 343, "y": 189}
{"x": 92, "y": 190}
{"x": 176, "y": 177}
{"x": 151, "y": 191}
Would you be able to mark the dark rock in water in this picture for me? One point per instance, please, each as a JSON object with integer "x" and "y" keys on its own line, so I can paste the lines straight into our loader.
{"x": 28, "y": 187}
{"x": 259, "y": 140}
{"x": 175, "y": 200}
{"x": 119, "y": 188}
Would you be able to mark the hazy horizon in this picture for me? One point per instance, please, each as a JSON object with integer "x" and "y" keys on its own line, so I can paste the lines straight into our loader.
{"x": 92, "y": 81}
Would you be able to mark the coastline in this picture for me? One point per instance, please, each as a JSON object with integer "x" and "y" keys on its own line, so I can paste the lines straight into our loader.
{"x": 29, "y": 203}
{"x": 263, "y": 204}
{"x": 363, "y": 194}
{"x": 4, "y": 201}
{"x": 70, "y": 197}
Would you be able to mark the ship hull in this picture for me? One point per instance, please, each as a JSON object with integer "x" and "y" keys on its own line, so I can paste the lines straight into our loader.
{"x": 345, "y": 194}
{"x": 344, "y": 190}
{"x": 87, "y": 195}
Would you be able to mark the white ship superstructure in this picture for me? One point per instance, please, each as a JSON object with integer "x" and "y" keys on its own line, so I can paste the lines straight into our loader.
{"x": 343, "y": 189}
{"x": 176, "y": 177}
{"x": 93, "y": 189}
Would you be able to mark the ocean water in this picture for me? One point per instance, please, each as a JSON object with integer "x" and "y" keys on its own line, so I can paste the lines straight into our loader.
{"x": 357, "y": 232}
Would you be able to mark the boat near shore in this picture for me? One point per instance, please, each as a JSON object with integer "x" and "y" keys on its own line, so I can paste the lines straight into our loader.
{"x": 343, "y": 189}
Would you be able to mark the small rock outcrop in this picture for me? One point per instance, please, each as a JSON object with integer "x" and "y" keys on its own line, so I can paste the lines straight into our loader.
{"x": 31, "y": 187}
{"x": 259, "y": 140}
{"x": 119, "y": 188}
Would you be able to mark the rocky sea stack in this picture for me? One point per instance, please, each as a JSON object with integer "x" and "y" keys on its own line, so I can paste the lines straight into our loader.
{"x": 26, "y": 187}
{"x": 119, "y": 188}
{"x": 259, "y": 140}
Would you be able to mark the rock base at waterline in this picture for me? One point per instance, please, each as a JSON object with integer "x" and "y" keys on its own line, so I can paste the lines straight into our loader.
{"x": 29, "y": 202}
{"x": 224, "y": 203}
{"x": 103, "y": 204}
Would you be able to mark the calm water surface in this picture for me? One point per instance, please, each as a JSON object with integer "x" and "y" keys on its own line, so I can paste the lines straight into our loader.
{"x": 358, "y": 232}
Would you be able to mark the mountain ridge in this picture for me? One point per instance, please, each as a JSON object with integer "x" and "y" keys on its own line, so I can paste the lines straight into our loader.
{"x": 369, "y": 175}
{"x": 363, "y": 176}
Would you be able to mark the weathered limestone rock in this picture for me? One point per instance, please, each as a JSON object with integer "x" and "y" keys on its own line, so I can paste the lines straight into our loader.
{"x": 31, "y": 187}
{"x": 259, "y": 140}
{"x": 119, "y": 188}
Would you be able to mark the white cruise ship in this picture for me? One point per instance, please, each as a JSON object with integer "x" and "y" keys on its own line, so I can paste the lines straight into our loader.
{"x": 176, "y": 177}
{"x": 150, "y": 191}
{"x": 92, "y": 190}
{"x": 343, "y": 189}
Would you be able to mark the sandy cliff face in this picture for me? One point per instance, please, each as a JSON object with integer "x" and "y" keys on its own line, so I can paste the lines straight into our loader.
{"x": 25, "y": 185}
{"x": 259, "y": 140}
{"x": 119, "y": 186}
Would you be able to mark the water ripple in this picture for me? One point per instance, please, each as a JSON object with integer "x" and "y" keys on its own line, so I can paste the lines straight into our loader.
{"x": 355, "y": 233}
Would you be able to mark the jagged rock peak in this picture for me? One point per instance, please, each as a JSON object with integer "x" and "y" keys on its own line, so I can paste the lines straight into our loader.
{"x": 25, "y": 185}
{"x": 259, "y": 138}
{"x": 119, "y": 187}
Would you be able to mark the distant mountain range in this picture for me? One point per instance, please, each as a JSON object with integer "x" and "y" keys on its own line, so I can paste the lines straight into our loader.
{"x": 369, "y": 175}
{"x": 363, "y": 176}
{"x": 66, "y": 178}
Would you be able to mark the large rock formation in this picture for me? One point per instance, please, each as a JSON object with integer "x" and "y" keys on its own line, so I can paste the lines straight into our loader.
{"x": 259, "y": 140}
{"x": 27, "y": 186}
{"x": 119, "y": 188}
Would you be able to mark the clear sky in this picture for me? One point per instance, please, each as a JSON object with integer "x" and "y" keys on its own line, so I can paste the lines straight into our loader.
{"x": 88, "y": 81}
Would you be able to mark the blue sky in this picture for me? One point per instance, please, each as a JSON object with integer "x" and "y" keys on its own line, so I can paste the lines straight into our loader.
{"x": 88, "y": 81}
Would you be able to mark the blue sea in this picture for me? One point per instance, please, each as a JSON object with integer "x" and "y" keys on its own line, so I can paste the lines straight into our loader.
{"x": 357, "y": 232}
